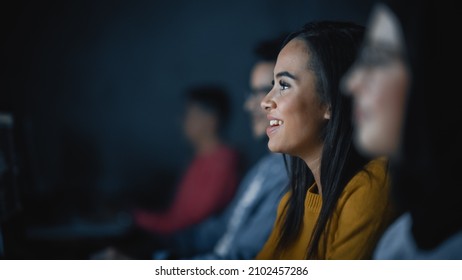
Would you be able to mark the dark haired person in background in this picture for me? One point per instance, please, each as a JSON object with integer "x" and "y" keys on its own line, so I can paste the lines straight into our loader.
{"x": 242, "y": 229}
{"x": 401, "y": 116}
{"x": 210, "y": 182}
{"x": 206, "y": 188}
{"x": 338, "y": 203}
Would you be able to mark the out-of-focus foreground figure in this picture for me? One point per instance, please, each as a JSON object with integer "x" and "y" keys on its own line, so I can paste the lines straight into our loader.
{"x": 399, "y": 114}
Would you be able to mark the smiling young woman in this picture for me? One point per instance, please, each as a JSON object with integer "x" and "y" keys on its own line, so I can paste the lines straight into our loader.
{"x": 338, "y": 203}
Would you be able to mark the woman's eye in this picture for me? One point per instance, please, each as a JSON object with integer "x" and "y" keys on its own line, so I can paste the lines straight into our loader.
{"x": 283, "y": 85}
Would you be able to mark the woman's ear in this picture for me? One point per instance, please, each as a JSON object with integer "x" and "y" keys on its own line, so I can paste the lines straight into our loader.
{"x": 327, "y": 113}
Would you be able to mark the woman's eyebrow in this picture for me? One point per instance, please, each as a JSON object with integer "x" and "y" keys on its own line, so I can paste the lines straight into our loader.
{"x": 286, "y": 74}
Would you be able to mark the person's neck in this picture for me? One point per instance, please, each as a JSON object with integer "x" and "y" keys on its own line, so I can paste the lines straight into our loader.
{"x": 207, "y": 145}
{"x": 313, "y": 161}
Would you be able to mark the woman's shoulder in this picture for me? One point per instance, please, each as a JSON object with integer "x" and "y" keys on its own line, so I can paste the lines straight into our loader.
{"x": 367, "y": 193}
{"x": 372, "y": 178}
{"x": 374, "y": 171}
{"x": 376, "y": 166}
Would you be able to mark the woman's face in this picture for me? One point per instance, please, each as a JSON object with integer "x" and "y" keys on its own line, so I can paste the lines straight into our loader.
{"x": 294, "y": 111}
{"x": 379, "y": 82}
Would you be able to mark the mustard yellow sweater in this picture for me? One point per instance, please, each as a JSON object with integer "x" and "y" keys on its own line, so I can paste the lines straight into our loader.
{"x": 361, "y": 214}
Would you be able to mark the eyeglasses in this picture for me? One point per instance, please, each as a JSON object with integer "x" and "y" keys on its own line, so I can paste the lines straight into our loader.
{"x": 371, "y": 57}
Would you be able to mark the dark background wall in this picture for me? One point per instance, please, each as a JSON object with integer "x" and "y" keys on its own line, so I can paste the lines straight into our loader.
{"x": 96, "y": 87}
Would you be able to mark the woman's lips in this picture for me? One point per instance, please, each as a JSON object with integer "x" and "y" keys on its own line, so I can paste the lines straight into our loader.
{"x": 271, "y": 129}
{"x": 274, "y": 125}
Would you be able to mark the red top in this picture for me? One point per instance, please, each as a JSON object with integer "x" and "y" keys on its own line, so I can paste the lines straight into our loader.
{"x": 207, "y": 187}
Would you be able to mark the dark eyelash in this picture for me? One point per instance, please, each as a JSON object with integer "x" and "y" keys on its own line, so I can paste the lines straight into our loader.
{"x": 283, "y": 84}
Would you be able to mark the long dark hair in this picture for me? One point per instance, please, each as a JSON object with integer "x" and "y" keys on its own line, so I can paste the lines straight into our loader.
{"x": 333, "y": 47}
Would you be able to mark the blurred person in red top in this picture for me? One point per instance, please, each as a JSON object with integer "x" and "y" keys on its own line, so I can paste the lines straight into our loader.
{"x": 210, "y": 181}
{"x": 205, "y": 189}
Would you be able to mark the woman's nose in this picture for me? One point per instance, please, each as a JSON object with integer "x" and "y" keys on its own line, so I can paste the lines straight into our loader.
{"x": 267, "y": 103}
